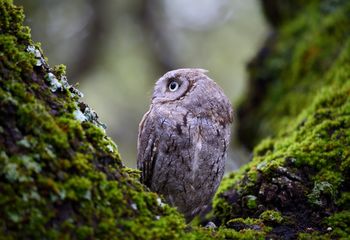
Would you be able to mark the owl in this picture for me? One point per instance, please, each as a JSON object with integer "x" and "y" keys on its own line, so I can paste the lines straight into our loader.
{"x": 183, "y": 140}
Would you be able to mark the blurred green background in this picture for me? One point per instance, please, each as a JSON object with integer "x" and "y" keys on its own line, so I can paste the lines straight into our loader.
{"x": 116, "y": 50}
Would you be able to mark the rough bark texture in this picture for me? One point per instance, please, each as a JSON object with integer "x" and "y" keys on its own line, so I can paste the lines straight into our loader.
{"x": 61, "y": 177}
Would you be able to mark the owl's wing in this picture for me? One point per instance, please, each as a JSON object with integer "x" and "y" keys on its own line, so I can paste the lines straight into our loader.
{"x": 147, "y": 145}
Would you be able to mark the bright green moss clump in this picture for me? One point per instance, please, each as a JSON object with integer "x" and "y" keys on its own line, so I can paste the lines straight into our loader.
{"x": 271, "y": 216}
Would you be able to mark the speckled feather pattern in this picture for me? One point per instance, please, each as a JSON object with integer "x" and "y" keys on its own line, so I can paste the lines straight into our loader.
{"x": 183, "y": 140}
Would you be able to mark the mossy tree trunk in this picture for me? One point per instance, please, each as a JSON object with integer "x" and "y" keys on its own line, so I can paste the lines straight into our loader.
{"x": 61, "y": 177}
{"x": 297, "y": 184}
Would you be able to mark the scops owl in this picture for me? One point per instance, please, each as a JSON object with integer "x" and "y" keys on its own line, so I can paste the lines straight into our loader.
{"x": 183, "y": 139}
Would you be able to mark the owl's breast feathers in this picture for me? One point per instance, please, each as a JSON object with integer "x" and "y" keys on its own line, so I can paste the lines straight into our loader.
{"x": 180, "y": 142}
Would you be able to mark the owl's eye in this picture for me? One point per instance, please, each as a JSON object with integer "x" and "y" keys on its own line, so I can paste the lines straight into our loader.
{"x": 173, "y": 86}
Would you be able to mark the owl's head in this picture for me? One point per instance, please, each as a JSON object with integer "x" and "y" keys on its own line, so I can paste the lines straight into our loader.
{"x": 191, "y": 89}
{"x": 175, "y": 84}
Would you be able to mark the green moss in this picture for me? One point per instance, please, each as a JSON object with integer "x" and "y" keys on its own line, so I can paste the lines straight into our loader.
{"x": 245, "y": 234}
{"x": 271, "y": 216}
{"x": 266, "y": 146}
{"x": 314, "y": 235}
{"x": 60, "y": 70}
{"x": 62, "y": 178}
{"x": 251, "y": 201}
{"x": 246, "y": 221}
{"x": 245, "y": 228}
{"x": 300, "y": 61}
{"x": 339, "y": 224}
{"x": 301, "y": 170}
{"x": 84, "y": 232}
{"x": 321, "y": 188}
{"x": 344, "y": 200}
{"x": 337, "y": 227}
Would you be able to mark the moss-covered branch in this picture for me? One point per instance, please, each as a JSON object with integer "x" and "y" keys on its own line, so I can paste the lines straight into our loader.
{"x": 61, "y": 177}
{"x": 297, "y": 184}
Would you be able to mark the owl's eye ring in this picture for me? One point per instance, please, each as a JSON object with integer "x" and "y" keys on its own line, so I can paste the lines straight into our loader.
{"x": 173, "y": 86}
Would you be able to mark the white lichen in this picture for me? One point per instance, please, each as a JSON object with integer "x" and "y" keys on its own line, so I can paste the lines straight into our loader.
{"x": 134, "y": 206}
{"x": 54, "y": 83}
{"x": 32, "y": 49}
{"x": 61, "y": 83}
{"x": 11, "y": 172}
{"x": 91, "y": 116}
{"x": 49, "y": 149}
{"x": 87, "y": 195}
{"x": 261, "y": 166}
{"x": 110, "y": 148}
{"x": 30, "y": 164}
{"x": 86, "y": 113}
{"x": 35, "y": 195}
{"x": 160, "y": 203}
{"x": 24, "y": 143}
{"x": 37, "y": 54}
{"x": 78, "y": 115}
{"x": 64, "y": 82}
{"x": 62, "y": 194}
{"x": 210, "y": 225}
{"x": 75, "y": 92}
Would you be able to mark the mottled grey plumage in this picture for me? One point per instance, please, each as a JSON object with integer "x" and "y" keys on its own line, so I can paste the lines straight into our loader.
{"x": 183, "y": 139}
